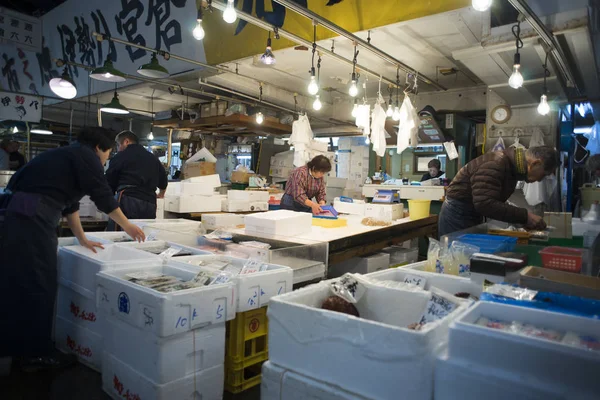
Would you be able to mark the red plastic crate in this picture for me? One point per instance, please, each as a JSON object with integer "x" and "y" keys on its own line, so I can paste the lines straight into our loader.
{"x": 562, "y": 258}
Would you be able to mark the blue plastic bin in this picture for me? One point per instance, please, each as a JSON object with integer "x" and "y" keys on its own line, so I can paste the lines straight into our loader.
{"x": 489, "y": 244}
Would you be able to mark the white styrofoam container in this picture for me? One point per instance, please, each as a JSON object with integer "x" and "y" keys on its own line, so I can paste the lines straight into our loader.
{"x": 280, "y": 222}
{"x": 171, "y": 313}
{"x": 280, "y": 171}
{"x": 119, "y": 379}
{"x": 76, "y": 339}
{"x": 182, "y": 233}
{"x": 250, "y": 196}
{"x": 196, "y": 189}
{"x": 160, "y": 208}
{"x": 458, "y": 379}
{"x": 189, "y": 204}
{"x": 78, "y": 309}
{"x": 67, "y": 241}
{"x": 375, "y": 356}
{"x": 162, "y": 243}
{"x": 360, "y": 265}
{"x": 448, "y": 283}
{"x": 224, "y": 220}
{"x": 212, "y": 181}
{"x": 384, "y": 212}
{"x": 163, "y": 360}
{"x": 109, "y": 237}
{"x": 356, "y": 208}
{"x": 252, "y": 290}
{"x": 78, "y": 266}
{"x": 278, "y": 383}
{"x": 539, "y": 359}
{"x": 234, "y": 206}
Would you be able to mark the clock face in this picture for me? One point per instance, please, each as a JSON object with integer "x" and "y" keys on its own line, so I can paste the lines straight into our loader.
{"x": 501, "y": 114}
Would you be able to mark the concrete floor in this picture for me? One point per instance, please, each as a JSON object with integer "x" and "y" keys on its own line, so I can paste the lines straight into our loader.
{"x": 77, "y": 383}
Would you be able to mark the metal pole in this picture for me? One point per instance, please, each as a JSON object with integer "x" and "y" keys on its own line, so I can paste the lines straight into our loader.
{"x": 297, "y": 39}
{"x": 348, "y": 35}
{"x": 169, "y": 148}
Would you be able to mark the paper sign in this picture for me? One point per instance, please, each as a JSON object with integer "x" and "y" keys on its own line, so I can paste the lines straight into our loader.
{"x": 170, "y": 252}
{"x": 415, "y": 280}
{"x": 251, "y": 267}
{"x": 20, "y": 107}
{"x": 437, "y": 308}
{"x": 348, "y": 288}
{"x": 451, "y": 150}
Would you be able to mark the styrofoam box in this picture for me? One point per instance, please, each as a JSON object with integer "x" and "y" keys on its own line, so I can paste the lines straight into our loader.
{"x": 84, "y": 343}
{"x": 118, "y": 379}
{"x": 67, "y": 241}
{"x": 572, "y": 367}
{"x": 160, "y": 208}
{"x": 162, "y": 243}
{"x": 212, "y": 181}
{"x": 280, "y": 171}
{"x": 243, "y": 206}
{"x": 356, "y": 208}
{"x": 78, "y": 309}
{"x": 183, "y": 234}
{"x": 447, "y": 283}
{"x": 78, "y": 266}
{"x": 278, "y": 383}
{"x": 384, "y": 212}
{"x": 197, "y": 188}
{"x": 173, "y": 312}
{"x": 336, "y": 182}
{"x": 224, "y": 220}
{"x": 252, "y": 290}
{"x": 173, "y": 189}
{"x": 375, "y": 356}
{"x": 187, "y": 204}
{"x": 163, "y": 360}
{"x": 360, "y": 265}
{"x": 109, "y": 237}
{"x": 250, "y": 196}
{"x": 280, "y": 222}
{"x": 319, "y": 146}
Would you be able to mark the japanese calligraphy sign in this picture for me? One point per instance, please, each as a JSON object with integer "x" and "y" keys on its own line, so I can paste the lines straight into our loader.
{"x": 20, "y": 107}
{"x": 21, "y": 30}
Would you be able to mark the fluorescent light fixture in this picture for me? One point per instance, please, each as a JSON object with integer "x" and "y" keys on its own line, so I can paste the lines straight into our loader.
{"x": 42, "y": 129}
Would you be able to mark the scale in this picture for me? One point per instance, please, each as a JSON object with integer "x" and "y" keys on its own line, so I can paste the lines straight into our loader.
{"x": 386, "y": 196}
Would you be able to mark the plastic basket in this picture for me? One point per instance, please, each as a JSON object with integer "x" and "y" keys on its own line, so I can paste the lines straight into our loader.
{"x": 239, "y": 380}
{"x": 246, "y": 339}
{"x": 419, "y": 209}
{"x": 562, "y": 258}
{"x": 489, "y": 244}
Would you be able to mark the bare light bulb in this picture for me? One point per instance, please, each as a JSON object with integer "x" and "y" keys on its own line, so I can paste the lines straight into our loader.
{"x": 259, "y": 118}
{"x": 353, "y": 91}
{"x": 481, "y": 5}
{"x": 230, "y": 15}
{"x": 367, "y": 141}
{"x": 544, "y": 107}
{"x": 390, "y": 110}
{"x": 313, "y": 86}
{"x": 317, "y": 104}
{"x": 198, "y": 31}
{"x": 150, "y": 136}
{"x": 396, "y": 114}
{"x": 516, "y": 79}
{"x": 355, "y": 110}
{"x": 15, "y": 130}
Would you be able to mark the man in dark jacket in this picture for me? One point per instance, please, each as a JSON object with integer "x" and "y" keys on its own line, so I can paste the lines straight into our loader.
{"x": 481, "y": 188}
{"x": 134, "y": 174}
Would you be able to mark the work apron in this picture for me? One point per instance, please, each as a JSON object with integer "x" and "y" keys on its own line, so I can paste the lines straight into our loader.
{"x": 132, "y": 207}
{"x": 456, "y": 216}
{"x": 28, "y": 273}
{"x": 288, "y": 203}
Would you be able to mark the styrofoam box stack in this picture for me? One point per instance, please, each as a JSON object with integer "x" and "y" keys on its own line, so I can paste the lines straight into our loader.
{"x": 343, "y": 166}
{"x": 252, "y": 291}
{"x": 184, "y": 233}
{"x": 79, "y": 328}
{"x": 360, "y": 265}
{"x": 224, "y": 220}
{"x": 522, "y": 367}
{"x": 193, "y": 203}
{"x": 403, "y": 257}
{"x": 358, "y": 207}
{"x": 242, "y": 206}
{"x": 282, "y": 165}
{"x": 384, "y": 212}
{"x": 246, "y": 200}
{"x": 164, "y": 345}
{"x": 375, "y": 356}
{"x": 280, "y": 222}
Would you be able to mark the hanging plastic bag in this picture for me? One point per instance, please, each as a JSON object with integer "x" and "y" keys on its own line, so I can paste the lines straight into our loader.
{"x": 499, "y": 146}
{"x": 517, "y": 144}
{"x": 378, "y": 130}
{"x": 408, "y": 126}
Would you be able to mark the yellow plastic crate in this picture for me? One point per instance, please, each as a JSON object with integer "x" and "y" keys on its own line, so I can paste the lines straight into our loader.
{"x": 246, "y": 340}
{"x": 239, "y": 380}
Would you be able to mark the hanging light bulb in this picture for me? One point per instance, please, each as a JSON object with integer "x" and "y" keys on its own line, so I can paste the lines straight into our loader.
{"x": 396, "y": 114}
{"x": 390, "y": 110}
{"x": 64, "y": 86}
{"x": 367, "y": 141}
{"x": 544, "y": 107}
{"x": 230, "y": 15}
{"x": 150, "y": 136}
{"x": 15, "y": 129}
{"x": 268, "y": 58}
{"x": 259, "y": 118}
{"x": 353, "y": 91}
{"x": 516, "y": 79}
{"x": 481, "y": 5}
{"x": 355, "y": 109}
{"x": 198, "y": 31}
{"x": 313, "y": 86}
{"x": 317, "y": 104}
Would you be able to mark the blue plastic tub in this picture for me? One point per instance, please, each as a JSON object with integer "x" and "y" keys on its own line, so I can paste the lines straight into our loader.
{"x": 489, "y": 244}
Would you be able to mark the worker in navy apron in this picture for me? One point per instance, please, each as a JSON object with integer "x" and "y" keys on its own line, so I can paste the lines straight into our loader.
{"x": 135, "y": 174}
{"x": 38, "y": 195}
{"x": 305, "y": 184}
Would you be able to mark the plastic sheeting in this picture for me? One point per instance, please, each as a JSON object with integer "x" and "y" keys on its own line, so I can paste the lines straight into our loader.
{"x": 378, "y": 129}
{"x": 301, "y": 138}
{"x": 408, "y": 126}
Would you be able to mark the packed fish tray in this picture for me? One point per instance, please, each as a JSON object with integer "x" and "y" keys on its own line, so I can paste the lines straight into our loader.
{"x": 163, "y": 360}
{"x": 545, "y": 346}
{"x": 78, "y": 266}
{"x": 76, "y": 339}
{"x": 121, "y": 381}
{"x": 109, "y": 237}
{"x": 256, "y": 282}
{"x": 167, "y": 299}
{"x": 389, "y": 349}
{"x": 166, "y": 249}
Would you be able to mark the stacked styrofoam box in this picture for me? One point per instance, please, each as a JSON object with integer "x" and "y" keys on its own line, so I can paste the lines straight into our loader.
{"x": 359, "y": 166}
{"x": 384, "y": 212}
{"x": 185, "y": 233}
{"x": 252, "y": 291}
{"x": 162, "y": 345}
{"x": 355, "y": 208}
{"x": 79, "y": 328}
{"x": 87, "y": 208}
{"x": 246, "y": 200}
{"x": 282, "y": 164}
{"x": 280, "y": 222}
{"x": 335, "y": 187}
{"x": 344, "y": 162}
{"x": 222, "y": 220}
{"x": 523, "y": 367}
{"x": 197, "y": 194}
{"x": 360, "y": 265}
{"x": 375, "y": 356}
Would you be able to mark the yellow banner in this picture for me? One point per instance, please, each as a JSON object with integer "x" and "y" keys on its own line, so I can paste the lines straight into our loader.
{"x": 227, "y": 42}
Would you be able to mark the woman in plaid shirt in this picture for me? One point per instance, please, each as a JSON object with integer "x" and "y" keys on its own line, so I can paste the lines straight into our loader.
{"x": 306, "y": 183}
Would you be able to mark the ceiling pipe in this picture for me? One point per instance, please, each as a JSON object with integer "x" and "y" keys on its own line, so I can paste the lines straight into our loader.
{"x": 298, "y": 40}
{"x": 317, "y": 19}
{"x": 548, "y": 37}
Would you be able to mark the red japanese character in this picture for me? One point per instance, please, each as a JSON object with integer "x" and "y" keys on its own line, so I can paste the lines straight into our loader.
{"x": 20, "y": 99}
{"x": 70, "y": 343}
{"x": 74, "y": 309}
{"x": 117, "y": 385}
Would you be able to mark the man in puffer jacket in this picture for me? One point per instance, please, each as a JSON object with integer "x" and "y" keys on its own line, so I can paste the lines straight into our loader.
{"x": 481, "y": 188}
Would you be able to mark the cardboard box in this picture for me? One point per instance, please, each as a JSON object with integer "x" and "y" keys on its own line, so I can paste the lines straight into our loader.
{"x": 241, "y": 177}
{"x": 384, "y": 212}
{"x": 200, "y": 168}
{"x": 549, "y": 280}
{"x": 563, "y": 222}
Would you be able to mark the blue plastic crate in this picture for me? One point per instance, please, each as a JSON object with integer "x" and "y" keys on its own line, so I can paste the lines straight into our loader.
{"x": 490, "y": 244}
